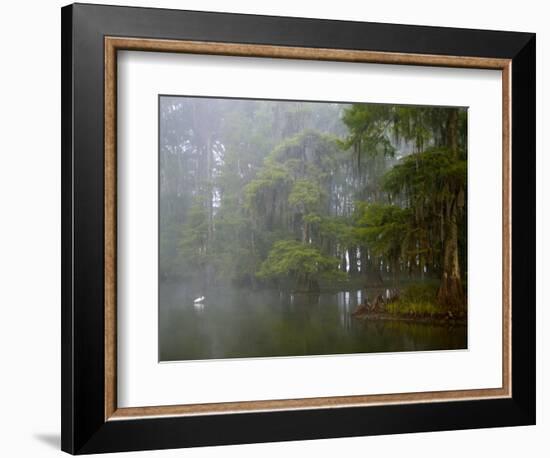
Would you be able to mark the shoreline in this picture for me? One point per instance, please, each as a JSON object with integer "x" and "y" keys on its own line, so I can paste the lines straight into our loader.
{"x": 438, "y": 320}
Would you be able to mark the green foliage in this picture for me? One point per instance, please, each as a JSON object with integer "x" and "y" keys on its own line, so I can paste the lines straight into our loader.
{"x": 233, "y": 258}
{"x": 413, "y": 308}
{"x": 194, "y": 239}
{"x": 421, "y": 292}
{"x": 312, "y": 218}
{"x": 417, "y": 300}
{"x": 429, "y": 184}
{"x": 383, "y": 228}
{"x": 337, "y": 228}
{"x": 289, "y": 192}
{"x": 305, "y": 195}
{"x": 258, "y": 191}
{"x": 428, "y": 175}
{"x": 292, "y": 259}
{"x": 369, "y": 129}
{"x": 420, "y": 125}
{"x": 271, "y": 183}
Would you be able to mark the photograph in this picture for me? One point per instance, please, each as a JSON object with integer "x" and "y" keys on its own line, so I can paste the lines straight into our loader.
{"x": 302, "y": 228}
{"x": 279, "y": 226}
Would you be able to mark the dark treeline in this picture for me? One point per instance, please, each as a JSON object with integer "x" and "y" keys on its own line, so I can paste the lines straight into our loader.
{"x": 304, "y": 196}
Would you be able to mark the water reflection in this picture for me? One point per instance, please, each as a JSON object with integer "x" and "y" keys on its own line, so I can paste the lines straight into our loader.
{"x": 233, "y": 323}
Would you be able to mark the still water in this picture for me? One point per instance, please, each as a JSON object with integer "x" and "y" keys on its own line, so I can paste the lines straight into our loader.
{"x": 236, "y": 323}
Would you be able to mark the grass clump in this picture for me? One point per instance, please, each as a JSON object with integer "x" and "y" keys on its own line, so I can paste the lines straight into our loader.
{"x": 400, "y": 307}
{"x": 416, "y": 300}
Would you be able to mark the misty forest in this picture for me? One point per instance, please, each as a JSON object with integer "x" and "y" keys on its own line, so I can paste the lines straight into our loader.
{"x": 306, "y": 228}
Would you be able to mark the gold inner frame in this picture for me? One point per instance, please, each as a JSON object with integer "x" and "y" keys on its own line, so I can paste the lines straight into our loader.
{"x": 112, "y": 45}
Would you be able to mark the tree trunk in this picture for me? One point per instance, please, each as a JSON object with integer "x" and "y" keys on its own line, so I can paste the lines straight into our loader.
{"x": 452, "y": 131}
{"x": 372, "y": 274}
{"x": 343, "y": 262}
{"x": 395, "y": 272}
{"x": 352, "y": 252}
{"x": 451, "y": 292}
{"x": 306, "y": 285}
{"x": 363, "y": 259}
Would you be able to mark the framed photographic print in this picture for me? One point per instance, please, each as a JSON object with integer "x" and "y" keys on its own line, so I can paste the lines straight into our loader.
{"x": 284, "y": 228}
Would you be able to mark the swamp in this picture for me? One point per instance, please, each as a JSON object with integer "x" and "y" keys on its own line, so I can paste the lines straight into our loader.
{"x": 294, "y": 228}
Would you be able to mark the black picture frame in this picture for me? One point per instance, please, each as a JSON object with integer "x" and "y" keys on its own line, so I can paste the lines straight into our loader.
{"x": 84, "y": 428}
